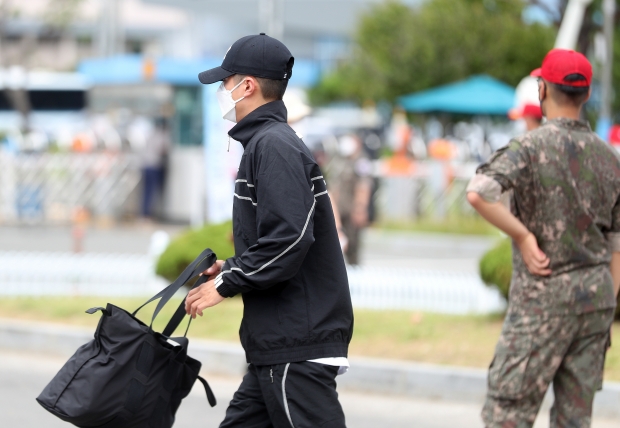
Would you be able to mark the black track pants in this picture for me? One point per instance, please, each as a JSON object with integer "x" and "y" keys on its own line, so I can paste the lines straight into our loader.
{"x": 298, "y": 395}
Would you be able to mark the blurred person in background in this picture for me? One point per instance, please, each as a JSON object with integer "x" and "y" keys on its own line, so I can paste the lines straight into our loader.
{"x": 530, "y": 114}
{"x": 350, "y": 186}
{"x": 298, "y": 111}
{"x": 154, "y": 155}
{"x": 565, "y": 227}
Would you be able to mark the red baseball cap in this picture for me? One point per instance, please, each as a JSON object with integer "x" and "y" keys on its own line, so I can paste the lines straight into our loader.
{"x": 560, "y": 63}
{"x": 530, "y": 110}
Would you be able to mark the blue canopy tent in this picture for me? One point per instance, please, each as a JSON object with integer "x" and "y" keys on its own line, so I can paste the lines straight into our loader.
{"x": 478, "y": 95}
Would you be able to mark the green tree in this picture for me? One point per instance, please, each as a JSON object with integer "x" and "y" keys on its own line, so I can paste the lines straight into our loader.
{"x": 402, "y": 49}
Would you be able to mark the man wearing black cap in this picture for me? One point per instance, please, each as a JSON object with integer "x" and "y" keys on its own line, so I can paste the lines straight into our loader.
{"x": 565, "y": 226}
{"x": 288, "y": 266}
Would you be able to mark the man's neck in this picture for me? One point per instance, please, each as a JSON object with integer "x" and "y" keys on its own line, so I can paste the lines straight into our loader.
{"x": 563, "y": 113}
{"x": 249, "y": 107}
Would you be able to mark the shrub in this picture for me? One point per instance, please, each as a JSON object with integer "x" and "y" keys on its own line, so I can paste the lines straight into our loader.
{"x": 496, "y": 266}
{"x": 184, "y": 248}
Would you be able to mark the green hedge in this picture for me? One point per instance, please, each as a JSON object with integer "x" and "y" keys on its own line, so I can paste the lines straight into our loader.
{"x": 184, "y": 248}
{"x": 496, "y": 268}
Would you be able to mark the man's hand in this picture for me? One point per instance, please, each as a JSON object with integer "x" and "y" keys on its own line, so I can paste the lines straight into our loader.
{"x": 214, "y": 270}
{"x": 359, "y": 216}
{"x": 201, "y": 298}
{"x": 536, "y": 261}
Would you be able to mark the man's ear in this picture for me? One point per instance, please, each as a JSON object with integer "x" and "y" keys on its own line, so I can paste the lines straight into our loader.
{"x": 250, "y": 87}
{"x": 589, "y": 94}
{"x": 542, "y": 91}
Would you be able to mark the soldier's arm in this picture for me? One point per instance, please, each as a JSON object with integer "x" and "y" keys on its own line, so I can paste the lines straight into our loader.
{"x": 615, "y": 271}
{"x": 615, "y": 274}
{"x": 508, "y": 168}
{"x": 499, "y": 216}
{"x": 613, "y": 237}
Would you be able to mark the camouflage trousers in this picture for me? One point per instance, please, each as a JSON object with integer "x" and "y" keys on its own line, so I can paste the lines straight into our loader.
{"x": 534, "y": 351}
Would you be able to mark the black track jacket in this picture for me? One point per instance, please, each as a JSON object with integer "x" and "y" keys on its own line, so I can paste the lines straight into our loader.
{"x": 288, "y": 265}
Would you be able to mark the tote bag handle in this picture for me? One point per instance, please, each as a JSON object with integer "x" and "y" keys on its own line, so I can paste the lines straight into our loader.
{"x": 180, "y": 313}
{"x": 205, "y": 260}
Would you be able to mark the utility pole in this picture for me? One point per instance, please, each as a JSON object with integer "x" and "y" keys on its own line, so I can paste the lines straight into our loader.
{"x": 604, "y": 122}
{"x": 271, "y": 18}
{"x": 571, "y": 24}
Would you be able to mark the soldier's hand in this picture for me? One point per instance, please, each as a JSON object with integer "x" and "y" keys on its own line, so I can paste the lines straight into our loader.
{"x": 536, "y": 261}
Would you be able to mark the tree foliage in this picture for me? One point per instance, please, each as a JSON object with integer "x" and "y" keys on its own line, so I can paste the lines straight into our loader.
{"x": 402, "y": 49}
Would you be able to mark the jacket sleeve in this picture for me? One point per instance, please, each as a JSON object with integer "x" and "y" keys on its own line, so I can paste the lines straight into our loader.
{"x": 285, "y": 204}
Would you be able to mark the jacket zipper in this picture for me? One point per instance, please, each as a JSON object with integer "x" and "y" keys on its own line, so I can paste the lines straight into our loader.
{"x": 271, "y": 374}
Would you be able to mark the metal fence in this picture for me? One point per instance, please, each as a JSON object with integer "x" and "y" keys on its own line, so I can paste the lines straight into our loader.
{"x": 68, "y": 274}
{"x": 434, "y": 189}
{"x": 48, "y": 187}
{"x": 423, "y": 290}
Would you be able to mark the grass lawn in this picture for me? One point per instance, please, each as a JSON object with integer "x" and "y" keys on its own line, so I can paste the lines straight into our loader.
{"x": 414, "y": 336}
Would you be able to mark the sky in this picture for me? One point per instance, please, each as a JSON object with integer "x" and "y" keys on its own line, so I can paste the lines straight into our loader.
{"x": 536, "y": 14}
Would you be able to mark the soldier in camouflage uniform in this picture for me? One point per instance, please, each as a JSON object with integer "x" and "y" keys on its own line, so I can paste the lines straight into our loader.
{"x": 565, "y": 225}
{"x": 350, "y": 182}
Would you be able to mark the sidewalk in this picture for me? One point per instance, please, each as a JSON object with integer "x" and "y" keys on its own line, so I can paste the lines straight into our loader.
{"x": 23, "y": 376}
{"x": 398, "y": 378}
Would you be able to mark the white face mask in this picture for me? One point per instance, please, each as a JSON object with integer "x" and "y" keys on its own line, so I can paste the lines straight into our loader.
{"x": 226, "y": 102}
{"x": 347, "y": 146}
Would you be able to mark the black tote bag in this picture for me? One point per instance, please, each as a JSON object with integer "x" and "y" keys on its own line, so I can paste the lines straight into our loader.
{"x": 129, "y": 376}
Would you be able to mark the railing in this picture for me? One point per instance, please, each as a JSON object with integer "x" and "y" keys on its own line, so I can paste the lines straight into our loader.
{"x": 434, "y": 189}
{"x": 423, "y": 290}
{"x": 48, "y": 187}
{"x": 68, "y": 274}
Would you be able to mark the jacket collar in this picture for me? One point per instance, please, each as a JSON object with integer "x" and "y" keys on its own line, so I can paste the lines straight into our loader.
{"x": 571, "y": 124}
{"x": 243, "y": 131}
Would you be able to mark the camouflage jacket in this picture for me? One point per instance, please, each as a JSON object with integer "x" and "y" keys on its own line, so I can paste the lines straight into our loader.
{"x": 566, "y": 188}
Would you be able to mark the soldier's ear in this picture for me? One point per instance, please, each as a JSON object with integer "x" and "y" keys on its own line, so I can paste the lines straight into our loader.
{"x": 542, "y": 90}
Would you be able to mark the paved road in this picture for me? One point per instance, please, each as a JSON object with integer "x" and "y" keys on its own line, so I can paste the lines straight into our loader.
{"x": 432, "y": 251}
{"x": 388, "y": 248}
{"x": 22, "y": 377}
{"x": 118, "y": 239}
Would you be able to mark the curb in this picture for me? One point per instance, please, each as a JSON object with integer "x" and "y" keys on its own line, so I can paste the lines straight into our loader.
{"x": 367, "y": 374}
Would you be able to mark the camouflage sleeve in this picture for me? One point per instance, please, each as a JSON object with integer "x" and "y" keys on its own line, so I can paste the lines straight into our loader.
{"x": 613, "y": 236}
{"x": 509, "y": 166}
{"x": 489, "y": 189}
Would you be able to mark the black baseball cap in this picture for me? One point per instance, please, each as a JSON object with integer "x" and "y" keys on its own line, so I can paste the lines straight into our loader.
{"x": 258, "y": 56}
